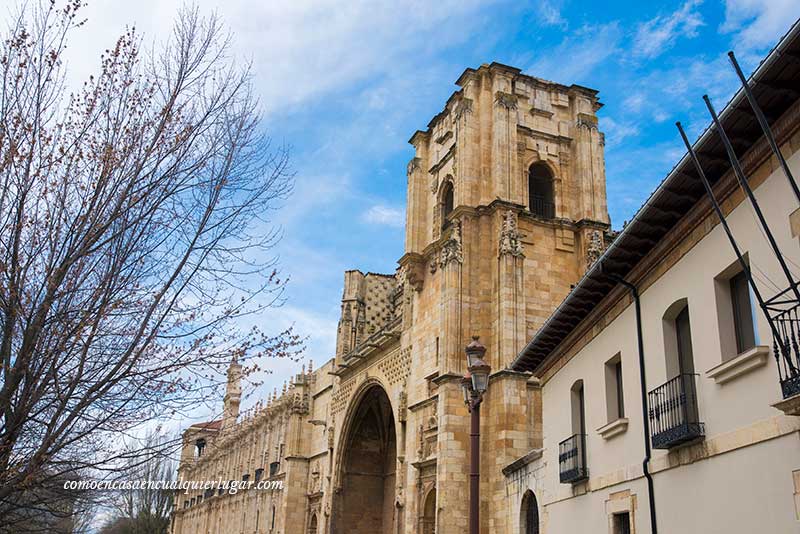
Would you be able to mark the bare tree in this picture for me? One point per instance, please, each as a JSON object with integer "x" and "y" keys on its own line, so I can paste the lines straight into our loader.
{"x": 134, "y": 244}
{"x": 144, "y": 510}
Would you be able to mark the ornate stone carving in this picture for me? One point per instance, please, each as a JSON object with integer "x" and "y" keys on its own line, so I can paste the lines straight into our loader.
{"x": 402, "y": 403}
{"x": 413, "y": 165}
{"x": 586, "y": 121}
{"x": 464, "y": 107}
{"x": 300, "y": 403}
{"x": 510, "y": 238}
{"x": 594, "y": 249}
{"x": 434, "y": 183}
{"x": 412, "y": 273}
{"x": 506, "y": 100}
{"x": 400, "y": 500}
{"x": 452, "y": 249}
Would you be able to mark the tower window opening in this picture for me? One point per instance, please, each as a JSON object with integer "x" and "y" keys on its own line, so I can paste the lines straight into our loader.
{"x": 541, "y": 200}
{"x": 447, "y": 204}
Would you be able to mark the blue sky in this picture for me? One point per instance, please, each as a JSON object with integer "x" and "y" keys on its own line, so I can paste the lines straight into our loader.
{"x": 346, "y": 84}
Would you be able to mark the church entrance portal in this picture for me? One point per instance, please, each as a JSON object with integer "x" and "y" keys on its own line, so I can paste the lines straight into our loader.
{"x": 365, "y": 504}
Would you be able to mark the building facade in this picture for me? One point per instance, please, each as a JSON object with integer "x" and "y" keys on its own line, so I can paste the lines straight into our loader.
{"x": 508, "y": 238}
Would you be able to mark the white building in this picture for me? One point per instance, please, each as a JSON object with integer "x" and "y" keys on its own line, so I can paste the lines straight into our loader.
{"x": 724, "y": 445}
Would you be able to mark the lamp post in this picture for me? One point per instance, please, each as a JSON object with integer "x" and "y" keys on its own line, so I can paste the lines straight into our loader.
{"x": 474, "y": 386}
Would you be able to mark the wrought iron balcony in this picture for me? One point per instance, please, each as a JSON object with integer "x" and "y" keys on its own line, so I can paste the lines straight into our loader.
{"x": 572, "y": 459}
{"x": 786, "y": 336}
{"x": 673, "y": 413}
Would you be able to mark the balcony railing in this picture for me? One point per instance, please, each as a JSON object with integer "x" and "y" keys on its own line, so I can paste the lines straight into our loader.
{"x": 572, "y": 459}
{"x": 673, "y": 413}
{"x": 542, "y": 207}
{"x": 786, "y": 323}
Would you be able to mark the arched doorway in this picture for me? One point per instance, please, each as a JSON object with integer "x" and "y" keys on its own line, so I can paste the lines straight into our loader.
{"x": 429, "y": 513}
{"x": 529, "y": 515}
{"x": 365, "y": 504}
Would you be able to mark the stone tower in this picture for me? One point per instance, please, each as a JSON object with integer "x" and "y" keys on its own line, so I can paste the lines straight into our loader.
{"x": 233, "y": 395}
{"x": 506, "y": 210}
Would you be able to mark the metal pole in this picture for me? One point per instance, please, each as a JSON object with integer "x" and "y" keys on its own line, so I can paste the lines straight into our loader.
{"x": 762, "y": 120}
{"x": 739, "y": 173}
{"x": 724, "y": 222}
{"x": 651, "y": 492}
{"x": 474, "y": 466}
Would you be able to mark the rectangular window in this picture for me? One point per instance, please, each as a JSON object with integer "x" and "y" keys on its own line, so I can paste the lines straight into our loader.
{"x": 736, "y": 317}
{"x": 615, "y": 403}
{"x": 622, "y": 523}
{"x": 742, "y": 313}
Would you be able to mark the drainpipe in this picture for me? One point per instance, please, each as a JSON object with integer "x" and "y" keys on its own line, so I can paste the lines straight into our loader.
{"x": 647, "y": 452}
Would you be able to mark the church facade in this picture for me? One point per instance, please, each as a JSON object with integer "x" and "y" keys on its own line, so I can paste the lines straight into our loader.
{"x": 507, "y": 231}
{"x": 506, "y": 209}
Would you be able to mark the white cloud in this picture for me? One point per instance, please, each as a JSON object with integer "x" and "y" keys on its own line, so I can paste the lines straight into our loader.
{"x": 300, "y": 49}
{"x": 616, "y": 132}
{"x": 574, "y": 59}
{"x": 635, "y": 102}
{"x": 549, "y": 13}
{"x": 660, "y": 33}
{"x": 759, "y": 23}
{"x": 386, "y": 215}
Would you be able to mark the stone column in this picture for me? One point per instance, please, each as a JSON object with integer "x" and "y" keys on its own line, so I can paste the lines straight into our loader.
{"x": 511, "y": 293}
{"x": 451, "y": 259}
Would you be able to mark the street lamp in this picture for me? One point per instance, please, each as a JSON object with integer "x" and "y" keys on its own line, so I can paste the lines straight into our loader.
{"x": 474, "y": 385}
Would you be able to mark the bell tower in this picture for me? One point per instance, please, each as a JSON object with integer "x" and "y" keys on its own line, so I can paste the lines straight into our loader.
{"x": 506, "y": 210}
{"x": 511, "y": 174}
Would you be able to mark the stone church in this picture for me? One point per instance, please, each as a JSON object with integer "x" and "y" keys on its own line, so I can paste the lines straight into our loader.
{"x": 506, "y": 211}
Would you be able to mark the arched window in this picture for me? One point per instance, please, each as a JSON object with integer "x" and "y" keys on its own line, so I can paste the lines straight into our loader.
{"x": 312, "y": 525}
{"x": 529, "y": 515}
{"x": 541, "y": 199}
{"x": 447, "y": 203}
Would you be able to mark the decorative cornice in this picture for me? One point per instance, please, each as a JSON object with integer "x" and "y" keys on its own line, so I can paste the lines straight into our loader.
{"x": 540, "y": 134}
{"x": 424, "y": 402}
{"x": 521, "y": 462}
{"x": 450, "y": 152}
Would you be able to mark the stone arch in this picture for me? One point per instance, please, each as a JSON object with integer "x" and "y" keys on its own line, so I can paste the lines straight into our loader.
{"x": 428, "y": 513}
{"x": 364, "y": 498}
{"x": 529, "y": 514}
